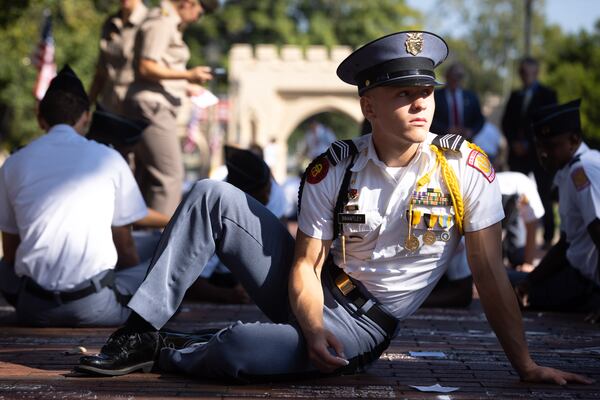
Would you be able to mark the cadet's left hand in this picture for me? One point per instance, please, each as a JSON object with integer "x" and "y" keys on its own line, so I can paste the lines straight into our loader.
{"x": 551, "y": 375}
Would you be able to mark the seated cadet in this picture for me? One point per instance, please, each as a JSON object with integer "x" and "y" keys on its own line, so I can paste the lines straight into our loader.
{"x": 66, "y": 209}
{"x": 391, "y": 206}
{"x": 568, "y": 277}
{"x": 523, "y": 209}
{"x": 122, "y": 134}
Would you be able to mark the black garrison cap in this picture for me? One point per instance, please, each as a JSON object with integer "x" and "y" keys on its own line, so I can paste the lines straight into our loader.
{"x": 67, "y": 81}
{"x": 403, "y": 58}
{"x": 109, "y": 128}
{"x": 246, "y": 170}
{"x": 556, "y": 119}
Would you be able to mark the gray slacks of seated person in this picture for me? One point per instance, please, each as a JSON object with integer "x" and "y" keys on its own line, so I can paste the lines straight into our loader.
{"x": 98, "y": 309}
{"x": 257, "y": 248}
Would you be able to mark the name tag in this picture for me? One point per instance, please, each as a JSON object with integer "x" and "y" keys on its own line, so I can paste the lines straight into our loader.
{"x": 352, "y": 218}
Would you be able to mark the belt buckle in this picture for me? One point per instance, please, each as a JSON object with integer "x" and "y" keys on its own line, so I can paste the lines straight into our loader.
{"x": 344, "y": 283}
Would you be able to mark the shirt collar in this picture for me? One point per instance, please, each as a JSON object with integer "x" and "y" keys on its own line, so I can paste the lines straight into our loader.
{"x": 369, "y": 153}
{"x": 564, "y": 171}
{"x": 138, "y": 14}
{"x": 63, "y": 130}
{"x": 171, "y": 12}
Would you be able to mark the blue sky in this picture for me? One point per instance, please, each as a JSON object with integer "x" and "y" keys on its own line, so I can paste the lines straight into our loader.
{"x": 571, "y": 15}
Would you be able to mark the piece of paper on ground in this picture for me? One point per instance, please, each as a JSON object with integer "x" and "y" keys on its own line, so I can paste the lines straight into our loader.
{"x": 435, "y": 388}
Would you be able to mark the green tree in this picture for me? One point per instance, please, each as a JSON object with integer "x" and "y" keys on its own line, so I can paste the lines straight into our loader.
{"x": 299, "y": 22}
{"x": 573, "y": 69}
{"x": 76, "y": 27}
{"x": 489, "y": 39}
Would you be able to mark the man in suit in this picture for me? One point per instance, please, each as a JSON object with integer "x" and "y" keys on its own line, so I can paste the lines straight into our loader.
{"x": 457, "y": 110}
{"x": 516, "y": 128}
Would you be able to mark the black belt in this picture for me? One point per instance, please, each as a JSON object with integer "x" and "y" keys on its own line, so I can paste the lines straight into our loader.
{"x": 365, "y": 306}
{"x": 64, "y": 297}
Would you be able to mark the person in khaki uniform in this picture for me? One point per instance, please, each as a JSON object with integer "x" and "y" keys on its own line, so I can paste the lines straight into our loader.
{"x": 161, "y": 81}
{"x": 114, "y": 70}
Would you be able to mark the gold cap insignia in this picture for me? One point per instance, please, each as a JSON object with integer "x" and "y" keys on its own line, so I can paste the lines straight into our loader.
{"x": 414, "y": 43}
{"x": 367, "y": 82}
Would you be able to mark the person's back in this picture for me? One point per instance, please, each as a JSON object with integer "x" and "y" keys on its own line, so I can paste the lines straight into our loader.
{"x": 66, "y": 208}
{"x": 63, "y": 189}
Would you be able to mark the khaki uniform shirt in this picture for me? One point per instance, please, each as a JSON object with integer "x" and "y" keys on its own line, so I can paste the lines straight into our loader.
{"x": 116, "y": 56}
{"x": 161, "y": 40}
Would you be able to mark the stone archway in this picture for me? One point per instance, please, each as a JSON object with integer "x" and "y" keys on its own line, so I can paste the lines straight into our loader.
{"x": 272, "y": 92}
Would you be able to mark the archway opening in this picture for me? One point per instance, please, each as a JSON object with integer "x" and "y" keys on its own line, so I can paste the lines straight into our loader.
{"x": 313, "y": 136}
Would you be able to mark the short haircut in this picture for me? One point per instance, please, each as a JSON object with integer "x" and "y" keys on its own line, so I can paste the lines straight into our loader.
{"x": 529, "y": 61}
{"x": 62, "y": 107}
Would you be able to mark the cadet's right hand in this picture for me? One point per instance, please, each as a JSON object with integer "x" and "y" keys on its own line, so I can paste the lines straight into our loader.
{"x": 320, "y": 355}
{"x": 199, "y": 74}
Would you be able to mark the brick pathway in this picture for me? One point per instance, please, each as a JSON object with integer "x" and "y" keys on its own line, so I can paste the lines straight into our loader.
{"x": 33, "y": 363}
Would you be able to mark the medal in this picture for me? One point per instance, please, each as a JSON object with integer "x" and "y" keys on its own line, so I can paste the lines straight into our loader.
{"x": 414, "y": 217}
{"x": 411, "y": 243}
{"x": 429, "y": 237}
{"x": 353, "y": 194}
{"x": 444, "y": 221}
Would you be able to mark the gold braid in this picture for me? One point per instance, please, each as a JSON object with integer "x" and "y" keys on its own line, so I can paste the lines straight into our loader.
{"x": 452, "y": 184}
{"x": 475, "y": 147}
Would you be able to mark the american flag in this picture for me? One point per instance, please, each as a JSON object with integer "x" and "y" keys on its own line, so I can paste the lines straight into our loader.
{"x": 44, "y": 58}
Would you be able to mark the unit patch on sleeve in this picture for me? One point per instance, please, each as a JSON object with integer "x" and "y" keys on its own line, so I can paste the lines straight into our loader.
{"x": 580, "y": 179}
{"x": 482, "y": 164}
{"x": 318, "y": 171}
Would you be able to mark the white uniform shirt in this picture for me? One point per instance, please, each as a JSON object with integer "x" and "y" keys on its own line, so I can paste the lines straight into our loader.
{"x": 578, "y": 205}
{"x": 530, "y": 204}
{"x": 375, "y": 252}
{"x": 61, "y": 194}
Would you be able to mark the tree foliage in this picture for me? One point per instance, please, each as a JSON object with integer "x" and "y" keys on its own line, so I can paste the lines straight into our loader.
{"x": 76, "y": 27}
{"x": 573, "y": 69}
{"x": 299, "y": 22}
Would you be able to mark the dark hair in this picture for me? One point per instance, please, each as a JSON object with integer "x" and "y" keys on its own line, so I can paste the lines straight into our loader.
{"x": 529, "y": 61}
{"x": 62, "y": 107}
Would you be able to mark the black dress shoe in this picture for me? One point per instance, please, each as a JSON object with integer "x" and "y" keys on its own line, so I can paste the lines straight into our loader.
{"x": 125, "y": 351}
{"x": 180, "y": 340}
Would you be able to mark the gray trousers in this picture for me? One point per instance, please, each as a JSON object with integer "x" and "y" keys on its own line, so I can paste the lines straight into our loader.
{"x": 215, "y": 217}
{"x": 98, "y": 309}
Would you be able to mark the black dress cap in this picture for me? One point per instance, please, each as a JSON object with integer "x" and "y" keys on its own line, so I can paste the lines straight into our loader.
{"x": 245, "y": 170}
{"x": 109, "y": 128}
{"x": 404, "y": 58}
{"x": 67, "y": 81}
{"x": 556, "y": 119}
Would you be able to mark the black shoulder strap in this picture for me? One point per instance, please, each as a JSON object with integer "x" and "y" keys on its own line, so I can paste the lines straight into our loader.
{"x": 342, "y": 198}
{"x": 574, "y": 160}
{"x": 337, "y": 152}
{"x": 448, "y": 142}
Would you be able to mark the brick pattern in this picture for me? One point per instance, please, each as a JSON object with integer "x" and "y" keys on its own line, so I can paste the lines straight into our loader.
{"x": 33, "y": 363}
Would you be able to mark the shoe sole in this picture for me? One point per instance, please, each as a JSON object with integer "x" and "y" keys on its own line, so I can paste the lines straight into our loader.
{"x": 145, "y": 367}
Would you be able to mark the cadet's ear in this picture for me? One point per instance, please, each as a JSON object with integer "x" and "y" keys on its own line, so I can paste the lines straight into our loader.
{"x": 366, "y": 105}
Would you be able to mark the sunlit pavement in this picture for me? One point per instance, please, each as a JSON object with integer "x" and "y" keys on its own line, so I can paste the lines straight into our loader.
{"x": 463, "y": 353}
